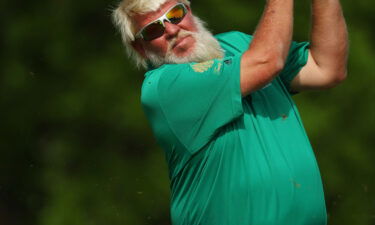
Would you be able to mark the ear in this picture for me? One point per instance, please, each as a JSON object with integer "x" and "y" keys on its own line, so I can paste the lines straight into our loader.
{"x": 137, "y": 45}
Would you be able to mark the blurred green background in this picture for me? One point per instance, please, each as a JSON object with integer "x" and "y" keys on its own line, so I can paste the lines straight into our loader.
{"x": 76, "y": 148}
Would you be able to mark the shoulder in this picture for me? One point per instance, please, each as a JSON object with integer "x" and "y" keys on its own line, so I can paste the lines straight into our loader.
{"x": 158, "y": 80}
{"x": 234, "y": 41}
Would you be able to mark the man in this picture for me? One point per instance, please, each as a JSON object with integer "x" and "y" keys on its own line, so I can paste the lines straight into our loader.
{"x": 221, "y": 108}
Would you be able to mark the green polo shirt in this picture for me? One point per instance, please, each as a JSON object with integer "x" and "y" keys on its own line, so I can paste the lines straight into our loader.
{"x": 234, "y": 160}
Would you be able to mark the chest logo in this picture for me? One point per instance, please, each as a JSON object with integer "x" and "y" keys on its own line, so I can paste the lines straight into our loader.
{"x": 202, "y": 67}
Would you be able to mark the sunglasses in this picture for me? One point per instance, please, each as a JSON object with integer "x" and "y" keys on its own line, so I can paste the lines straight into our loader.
{"x": 156, "y": 28}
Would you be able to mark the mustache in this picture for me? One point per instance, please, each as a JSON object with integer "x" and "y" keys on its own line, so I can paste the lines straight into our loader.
{"x": 181, "y": 34}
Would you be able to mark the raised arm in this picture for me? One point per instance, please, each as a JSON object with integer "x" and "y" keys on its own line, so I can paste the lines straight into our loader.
{"x": 327, "y": 62}
{"x": 269, "y": 48}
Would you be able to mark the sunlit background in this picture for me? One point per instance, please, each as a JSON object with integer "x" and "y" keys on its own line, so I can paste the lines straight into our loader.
{"x": 76, "y": 148}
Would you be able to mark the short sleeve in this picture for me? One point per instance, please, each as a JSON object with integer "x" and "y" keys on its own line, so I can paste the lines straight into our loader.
{"x": 297, "y": 59}
{"x": 196, "y": 99}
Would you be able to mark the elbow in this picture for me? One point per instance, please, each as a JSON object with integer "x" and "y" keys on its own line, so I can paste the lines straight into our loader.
{"x": 339, "y": 76}
{"x": 274, "y": 64}
{"x": 278, "y": 65}
{"x": 275, "y": 61}
{"x": 271, "y": 69}
{"x": 342, "y": 76}
{"x": 335, "y": 78}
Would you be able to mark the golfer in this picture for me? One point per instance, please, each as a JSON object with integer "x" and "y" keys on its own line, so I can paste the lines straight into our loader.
{"x": 221, "y": 108}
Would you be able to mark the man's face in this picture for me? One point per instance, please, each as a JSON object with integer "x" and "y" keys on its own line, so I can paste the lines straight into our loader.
{"x": 175, "y": 40}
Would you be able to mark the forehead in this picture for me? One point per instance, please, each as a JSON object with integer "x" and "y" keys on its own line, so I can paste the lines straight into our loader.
{"x": 141, "y": 20}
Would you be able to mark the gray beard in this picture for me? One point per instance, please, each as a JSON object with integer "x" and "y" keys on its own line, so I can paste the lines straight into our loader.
{"x": 206, "y": 48}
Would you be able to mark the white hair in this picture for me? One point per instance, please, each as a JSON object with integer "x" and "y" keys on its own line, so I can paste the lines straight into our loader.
{"x": 122, "y": 18}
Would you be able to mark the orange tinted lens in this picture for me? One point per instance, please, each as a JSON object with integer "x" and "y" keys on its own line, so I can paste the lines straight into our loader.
{"x": 176, "y": 14}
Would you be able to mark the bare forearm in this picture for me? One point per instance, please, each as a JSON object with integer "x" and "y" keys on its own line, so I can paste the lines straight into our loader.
{"x": 275, "y": 29}
{"x": 269, "y": 48}
{"x": 329, "y": 37}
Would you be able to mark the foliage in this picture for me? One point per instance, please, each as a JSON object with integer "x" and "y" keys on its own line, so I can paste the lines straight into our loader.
{"x": 76, "y": 148}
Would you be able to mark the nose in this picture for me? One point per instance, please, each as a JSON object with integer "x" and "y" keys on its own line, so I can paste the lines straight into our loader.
{"x": 171, "y": 30}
